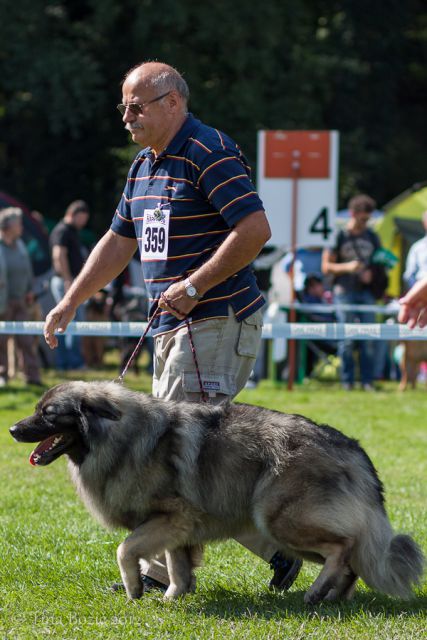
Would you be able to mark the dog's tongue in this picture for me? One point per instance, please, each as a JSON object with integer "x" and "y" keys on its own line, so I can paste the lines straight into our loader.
{"x": 42, "y": 448}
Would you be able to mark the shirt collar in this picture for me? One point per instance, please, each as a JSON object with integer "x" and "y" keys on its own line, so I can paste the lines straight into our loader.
{"x": 190, "y": 126}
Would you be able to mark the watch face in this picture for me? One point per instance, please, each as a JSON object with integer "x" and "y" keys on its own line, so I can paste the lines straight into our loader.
{"x": 191, "y": 291}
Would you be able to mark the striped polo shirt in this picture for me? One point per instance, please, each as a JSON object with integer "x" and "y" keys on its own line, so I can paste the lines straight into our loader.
{"x": 180, "y": 207}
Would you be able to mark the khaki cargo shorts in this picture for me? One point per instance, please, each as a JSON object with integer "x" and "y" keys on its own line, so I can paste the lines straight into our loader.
{"x": 225, "y": 349}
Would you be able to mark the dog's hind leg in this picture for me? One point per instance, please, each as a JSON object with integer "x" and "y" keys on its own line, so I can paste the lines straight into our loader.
{"x": 345, "y": 586}
{"x": 331, "y": 582}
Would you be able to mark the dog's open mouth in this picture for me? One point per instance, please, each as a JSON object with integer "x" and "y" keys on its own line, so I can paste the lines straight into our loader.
{"x": 50, "y": 449}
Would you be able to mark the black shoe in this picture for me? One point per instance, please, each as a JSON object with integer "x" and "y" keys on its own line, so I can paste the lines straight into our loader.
{"x": 149, "y": 585}
{"x": 285, "y": 570}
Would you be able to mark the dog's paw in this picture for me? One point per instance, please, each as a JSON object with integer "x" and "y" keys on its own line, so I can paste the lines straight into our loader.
{"x": 174, "y": 591}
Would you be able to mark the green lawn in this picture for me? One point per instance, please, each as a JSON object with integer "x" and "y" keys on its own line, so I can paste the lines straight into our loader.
{"x": 57, "y": 562}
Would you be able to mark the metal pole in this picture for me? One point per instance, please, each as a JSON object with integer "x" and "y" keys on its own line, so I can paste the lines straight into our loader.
{"x": 296, "y": 165}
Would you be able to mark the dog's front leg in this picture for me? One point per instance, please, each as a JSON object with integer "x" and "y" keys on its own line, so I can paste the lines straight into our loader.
{"x": 147, "y": 541}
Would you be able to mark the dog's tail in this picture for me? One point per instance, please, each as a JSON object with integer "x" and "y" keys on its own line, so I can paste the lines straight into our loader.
{"x": 392, "y": 564}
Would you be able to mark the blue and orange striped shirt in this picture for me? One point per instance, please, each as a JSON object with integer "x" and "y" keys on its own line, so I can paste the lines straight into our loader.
{"x": 203, "y": 180}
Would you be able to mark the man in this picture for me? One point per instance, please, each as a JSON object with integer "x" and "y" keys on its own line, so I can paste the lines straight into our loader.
{"x": 67, "y": 260}
{"x": 16, "y": 281}
{"x": 348, "y": 261}
{"x": 191, "y": 209}
{"x": 416, "y": 261}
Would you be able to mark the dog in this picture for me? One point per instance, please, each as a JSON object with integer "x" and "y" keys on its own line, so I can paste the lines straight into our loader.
{"x": 179, "y": 474}
{"x": 415, "y": 352}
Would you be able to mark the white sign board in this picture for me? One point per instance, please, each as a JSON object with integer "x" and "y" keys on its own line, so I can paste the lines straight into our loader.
{"x": 299, "y": 169}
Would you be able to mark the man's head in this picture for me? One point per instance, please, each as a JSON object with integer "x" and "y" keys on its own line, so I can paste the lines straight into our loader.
{"x": 424, "y": 220}
{"x": 77, "y": 214}
{"x": 361, "y": 208}
{"x": 11, "y": 226}
{"x": 313, "y": 285}
{"x": 155, "y": 98}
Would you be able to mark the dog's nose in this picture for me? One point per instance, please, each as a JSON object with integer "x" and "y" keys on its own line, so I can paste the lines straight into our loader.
{"x": 13, "y": 430}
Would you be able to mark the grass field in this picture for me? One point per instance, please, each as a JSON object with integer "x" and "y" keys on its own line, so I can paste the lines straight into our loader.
{"x": 57, "y": 562}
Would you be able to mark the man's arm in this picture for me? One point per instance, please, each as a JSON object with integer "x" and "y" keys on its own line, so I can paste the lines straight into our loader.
{"x": 61, "y": 264}
{"x": 240, "y": 247}
{"x": 109, "y": 257}
{"x": 330, "y": 266}
{"x": 413, "y": 306}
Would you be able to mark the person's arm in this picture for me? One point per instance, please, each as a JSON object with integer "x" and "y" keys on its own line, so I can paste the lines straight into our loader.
{"x": 105, "y": 262}
{"x": 411, "y": 267}
{"x": 61, "y": 264}
{"x": 413, "y": 306}
{"x": 330, "y": 266}
{"x": 240, "y": 247}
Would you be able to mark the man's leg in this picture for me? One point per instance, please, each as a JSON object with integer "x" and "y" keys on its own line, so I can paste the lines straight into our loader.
{"x": 226, "y": 352}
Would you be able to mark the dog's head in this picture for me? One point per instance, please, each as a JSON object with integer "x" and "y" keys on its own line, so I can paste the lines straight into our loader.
{"x": 69, "y": 418}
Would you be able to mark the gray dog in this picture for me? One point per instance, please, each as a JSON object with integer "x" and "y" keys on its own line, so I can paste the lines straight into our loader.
{"x": 179, "y": 474}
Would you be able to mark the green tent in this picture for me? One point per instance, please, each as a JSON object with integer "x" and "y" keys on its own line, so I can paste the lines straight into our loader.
{"x": 401, "y": 227}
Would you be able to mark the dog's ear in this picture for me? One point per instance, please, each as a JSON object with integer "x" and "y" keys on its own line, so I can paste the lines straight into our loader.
{"x": 100, "y": 406}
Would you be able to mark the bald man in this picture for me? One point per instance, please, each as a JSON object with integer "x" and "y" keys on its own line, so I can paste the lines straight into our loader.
{"x": 191, "y": 209}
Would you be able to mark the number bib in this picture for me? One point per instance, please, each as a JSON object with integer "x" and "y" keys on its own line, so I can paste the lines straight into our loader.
{"x": 155, "y": 234}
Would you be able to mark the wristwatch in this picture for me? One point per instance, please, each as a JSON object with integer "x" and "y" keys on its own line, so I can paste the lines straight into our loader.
{"x": 191, "y": 290}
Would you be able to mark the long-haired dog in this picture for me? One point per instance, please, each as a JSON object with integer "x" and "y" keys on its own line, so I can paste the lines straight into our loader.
{"x": 178, "y": 475}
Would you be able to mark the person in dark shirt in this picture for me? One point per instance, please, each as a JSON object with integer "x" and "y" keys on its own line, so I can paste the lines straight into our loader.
{"x": 68, "y": 259}
{"x": 348, "y": 261}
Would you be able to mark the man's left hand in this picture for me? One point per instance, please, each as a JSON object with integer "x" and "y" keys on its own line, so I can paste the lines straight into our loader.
{"x": 176, "y": 296}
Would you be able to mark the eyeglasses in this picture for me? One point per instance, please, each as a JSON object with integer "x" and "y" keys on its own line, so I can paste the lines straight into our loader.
{"x": 138, "y": 108}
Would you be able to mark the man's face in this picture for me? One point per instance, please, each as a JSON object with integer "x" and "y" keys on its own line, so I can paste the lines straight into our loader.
{"x": 362, "y": 217}
{"x": 150, "y": 127}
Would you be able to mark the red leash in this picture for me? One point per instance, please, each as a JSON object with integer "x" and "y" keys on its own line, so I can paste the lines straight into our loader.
{"x": 138, "y": 348}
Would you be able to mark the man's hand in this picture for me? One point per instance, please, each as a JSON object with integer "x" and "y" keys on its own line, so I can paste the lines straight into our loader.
{"x": 413, "y": 306}
{"x": 354, "y": 266}
{"x": 181, "y": 303}
{"x": 57, "y": 320}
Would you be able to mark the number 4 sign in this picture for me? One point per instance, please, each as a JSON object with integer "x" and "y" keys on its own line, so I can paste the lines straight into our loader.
{"x": 297, "y": 182}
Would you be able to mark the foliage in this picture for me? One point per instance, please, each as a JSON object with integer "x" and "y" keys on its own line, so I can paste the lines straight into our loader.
{"x": 356, "y": 66}
{"x": 57, "y": 562}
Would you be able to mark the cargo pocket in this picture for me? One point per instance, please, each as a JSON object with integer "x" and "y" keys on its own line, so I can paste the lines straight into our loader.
{"x": 213, "y": 384}
{"x": 250, "y": 335}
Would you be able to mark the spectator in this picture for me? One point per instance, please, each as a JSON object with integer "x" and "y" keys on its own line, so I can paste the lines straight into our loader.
{"x": 16, "y": 280}
{"x": 314, "y": 292}
{"x": 348, "y": 261}
{"x": 416, "y": 261}
{"x": 68, "y": 259}
{"x": 307, "y": 260}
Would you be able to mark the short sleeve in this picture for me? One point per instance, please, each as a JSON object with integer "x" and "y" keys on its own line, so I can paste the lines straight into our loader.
{"x": 224, "y": 180}
{"x": 122, "y": 222}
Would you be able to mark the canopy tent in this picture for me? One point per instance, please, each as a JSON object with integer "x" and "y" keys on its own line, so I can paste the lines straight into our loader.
{"x": 401, "y": 227}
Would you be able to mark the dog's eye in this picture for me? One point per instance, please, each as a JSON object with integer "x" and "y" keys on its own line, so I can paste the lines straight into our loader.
{"x": 49, "y": 410}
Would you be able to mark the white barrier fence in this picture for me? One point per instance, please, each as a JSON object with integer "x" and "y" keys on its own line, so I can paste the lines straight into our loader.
{"x": 293, "y": 331}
